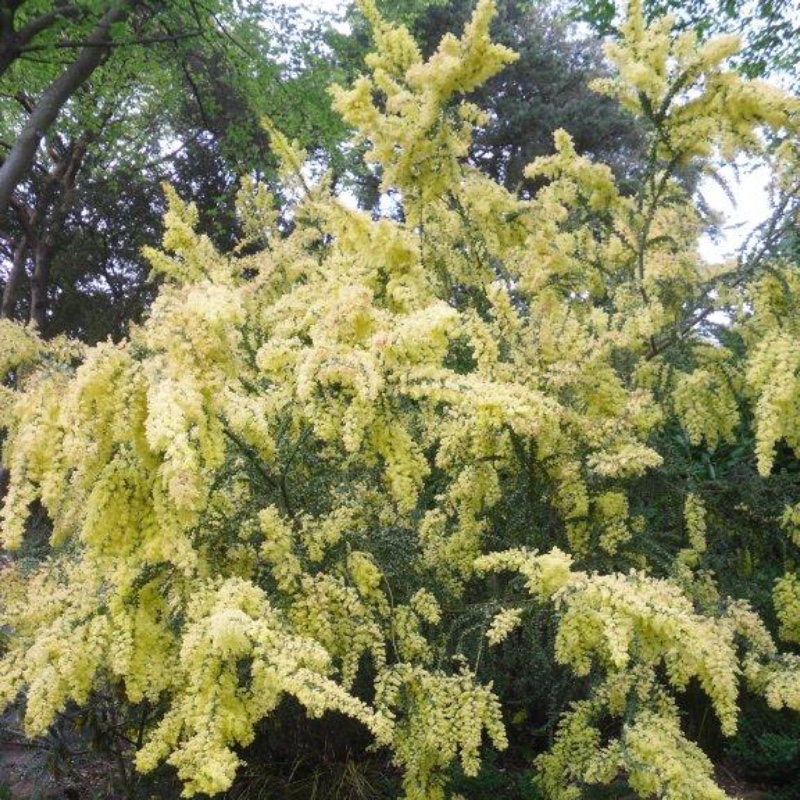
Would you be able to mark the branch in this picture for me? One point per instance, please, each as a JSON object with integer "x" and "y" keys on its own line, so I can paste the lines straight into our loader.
{"x": 169, "y": 156}
{"x": 112, "y": 44}
{"x": 14, "y": 280}
{"x": 198, "y": 98}
{"x": 773, "y": 234}
{"x": 23, "y": 215}
{"x": 19, "y": 160}
{"x": 13, "y": 42}
{"x": 36, "y": 26}
{"x": 26, "y": 101}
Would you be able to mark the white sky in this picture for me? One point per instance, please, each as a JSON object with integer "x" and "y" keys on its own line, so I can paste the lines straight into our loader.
{"x": 326, "y": 6}
{"x": 752, "y": 207}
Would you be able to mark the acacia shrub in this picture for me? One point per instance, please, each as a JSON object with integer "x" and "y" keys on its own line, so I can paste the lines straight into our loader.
{"x": 342, "y": 468}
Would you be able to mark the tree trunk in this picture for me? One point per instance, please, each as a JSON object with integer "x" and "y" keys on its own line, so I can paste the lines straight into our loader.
{"x": 42, "y": 258}
{"x": 14, "y": 279}
{"x": 45, "y": 246}
{"x": 22, "y": 154}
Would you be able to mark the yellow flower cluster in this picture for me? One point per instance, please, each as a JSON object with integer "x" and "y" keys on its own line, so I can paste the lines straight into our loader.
{"x": 634, "y": 629}
{"x": 503, "y": 624}
{"x": 18, "y": 346}
{"x": 215, "y": 708}
{"x": 416, "y": 142}
{"x": 614, "y": 621}
{"x": 694, "y": 516}
{"x": 304, "y": 458}
{"x": 786, "y": 595}
{"x": 790, "y": 520}
{"x": 684, "y": 87}
{"x": 706, "y": 404}
{"x": 651, "y": 750}
{"x": 773, "y": 375}
{"x": 440, "y": 717}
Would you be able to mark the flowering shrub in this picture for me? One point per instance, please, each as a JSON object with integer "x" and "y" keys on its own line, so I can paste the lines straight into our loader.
{"x": 293, "y": 472}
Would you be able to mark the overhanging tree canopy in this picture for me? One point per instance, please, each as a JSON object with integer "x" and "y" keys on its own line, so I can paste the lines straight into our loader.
{"x": 176, "y": 95}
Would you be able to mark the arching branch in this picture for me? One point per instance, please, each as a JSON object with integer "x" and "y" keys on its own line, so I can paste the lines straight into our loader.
{"x": 52, "y": 101}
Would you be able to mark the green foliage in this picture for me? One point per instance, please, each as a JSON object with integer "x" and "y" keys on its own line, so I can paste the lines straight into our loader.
{"x": 184, "y": 105}
{"x": 767, "y": 746}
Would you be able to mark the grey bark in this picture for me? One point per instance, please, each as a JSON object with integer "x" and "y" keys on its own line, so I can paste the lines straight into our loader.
{"x": 49, "y": 227}
{"x": 40, "y": 280}
{"x": 40, "y": 227}
{"x": 15, "y": 276}
{"x": 14, "y": 42}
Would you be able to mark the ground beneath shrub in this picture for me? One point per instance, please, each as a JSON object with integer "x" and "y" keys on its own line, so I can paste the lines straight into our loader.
{"x": 735, "y": 787}
{"x": 31, "y": 771}
{"x": 39, "y": 771}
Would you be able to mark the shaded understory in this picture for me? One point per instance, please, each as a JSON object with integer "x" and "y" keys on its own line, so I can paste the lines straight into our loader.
{"x": 78, "y": 760}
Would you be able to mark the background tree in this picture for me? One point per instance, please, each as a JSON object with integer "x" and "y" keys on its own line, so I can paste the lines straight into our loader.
{"x": 179, "y": 98}
{"x": 93, "y": 50}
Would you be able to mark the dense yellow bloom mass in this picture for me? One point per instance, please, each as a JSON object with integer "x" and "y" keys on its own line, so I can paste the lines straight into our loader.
{"x": 301, "y": 462}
